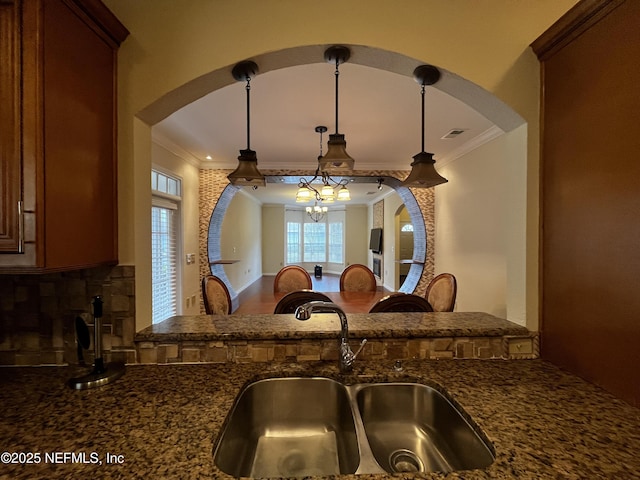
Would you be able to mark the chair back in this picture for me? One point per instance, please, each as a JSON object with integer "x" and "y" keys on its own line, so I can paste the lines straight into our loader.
{"x": 215, "y": 295}
{"x": 357, "y": 278}
{"x": 401, "y": 302}
{"x": 441, "y": 292}
{"x": 292, "y": 278}
{"x": 293, "y": 300}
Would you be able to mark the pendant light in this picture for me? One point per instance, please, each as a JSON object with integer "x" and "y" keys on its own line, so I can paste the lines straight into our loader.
{"x": 247, "y": 173}
{"x": 337, "y": 160}
{"x": 326, "y": 194}
{"x": 423, "y": 171}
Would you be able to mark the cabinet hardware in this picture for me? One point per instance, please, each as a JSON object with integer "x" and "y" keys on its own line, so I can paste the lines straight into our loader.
{"x": 20, "y": 227}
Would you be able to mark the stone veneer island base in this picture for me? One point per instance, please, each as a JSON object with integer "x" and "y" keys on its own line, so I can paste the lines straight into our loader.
{"x": 282, "y": 338}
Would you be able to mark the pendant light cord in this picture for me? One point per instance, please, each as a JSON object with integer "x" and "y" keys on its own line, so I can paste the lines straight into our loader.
{"x": 337, "y": 75}
{"x": 248, "y": 89}
{"x": 423, "y": 121}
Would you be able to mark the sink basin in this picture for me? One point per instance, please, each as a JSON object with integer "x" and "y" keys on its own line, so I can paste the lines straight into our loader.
{"x": 288, "y": 427}
{"x": 414, "y": 428}
{"x": 297, "y": 427}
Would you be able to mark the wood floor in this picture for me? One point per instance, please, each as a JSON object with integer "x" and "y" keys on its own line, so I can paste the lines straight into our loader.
{"x": 259, "y": 297}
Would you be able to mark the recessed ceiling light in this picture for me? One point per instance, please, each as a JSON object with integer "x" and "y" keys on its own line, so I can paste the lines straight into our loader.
{"x": 209, "y": 157}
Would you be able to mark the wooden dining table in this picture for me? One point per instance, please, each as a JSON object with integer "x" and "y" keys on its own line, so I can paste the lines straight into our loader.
{"x": 355, "y": 302}
{"x": 350, "y": 302}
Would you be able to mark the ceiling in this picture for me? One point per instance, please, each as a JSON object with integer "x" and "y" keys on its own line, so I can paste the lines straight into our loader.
{"x": 379, "y": 114}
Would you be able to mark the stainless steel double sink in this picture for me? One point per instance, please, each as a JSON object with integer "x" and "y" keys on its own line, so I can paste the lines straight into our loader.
{"x": 297, "y": 427}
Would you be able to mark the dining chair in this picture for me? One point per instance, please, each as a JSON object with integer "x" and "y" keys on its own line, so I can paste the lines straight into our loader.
{"x": 293, "y": 300}
{"x": 291, "y": 278}
{"x": 215, "y": 295}
{"x": 357, "y": 278}
{"x": 401, "y": 302}
{"x": 441, "y": 292}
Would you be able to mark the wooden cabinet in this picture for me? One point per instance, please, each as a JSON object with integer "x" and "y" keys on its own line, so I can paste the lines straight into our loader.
{"x": 10, "y": 169}
{"x": 58, "y": 135}
{"x": 590, "y": 186}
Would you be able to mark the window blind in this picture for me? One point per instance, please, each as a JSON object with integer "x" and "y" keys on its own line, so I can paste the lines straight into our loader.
{"x": 164, "y": 260}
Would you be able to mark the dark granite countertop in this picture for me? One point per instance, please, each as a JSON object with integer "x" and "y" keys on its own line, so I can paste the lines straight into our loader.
{"x": 326, "y": 325}
{"x": 161, "y": 421}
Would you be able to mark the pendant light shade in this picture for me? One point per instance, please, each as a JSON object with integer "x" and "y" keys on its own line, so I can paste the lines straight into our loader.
{"x": 423, "y": 171}
{"x": 247, "y": 173}
{"x": 326, "y": 193}
{"x": 336, "y": 160}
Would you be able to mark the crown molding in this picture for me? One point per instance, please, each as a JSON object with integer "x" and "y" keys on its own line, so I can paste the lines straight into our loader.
{"x": 476, "y": 142}
{"x": 172, "y": 147}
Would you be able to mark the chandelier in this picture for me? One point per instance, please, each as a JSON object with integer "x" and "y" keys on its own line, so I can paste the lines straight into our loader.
{"x": 327, "y": 192}
{"x": 316, "y": 212}
{"x": 423, "y": 171}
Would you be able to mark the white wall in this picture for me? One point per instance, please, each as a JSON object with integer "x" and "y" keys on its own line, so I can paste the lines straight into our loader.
{"x": 189, "y": 288}
{"x": 241, "y": 239}
{"x": 479, "y": 224}
{"x": 392, "y": 203}
{"x": 470, "y": 228}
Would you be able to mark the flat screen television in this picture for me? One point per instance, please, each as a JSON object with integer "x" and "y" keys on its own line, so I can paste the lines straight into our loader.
{"x": 375, "y": 240}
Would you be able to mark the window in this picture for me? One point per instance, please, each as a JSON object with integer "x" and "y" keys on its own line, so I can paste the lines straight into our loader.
{"x": 164, "y": 246}
{"x": 293, "y": 242}
{"x": 162, "y": 183}
{"x": 314, "y": 242}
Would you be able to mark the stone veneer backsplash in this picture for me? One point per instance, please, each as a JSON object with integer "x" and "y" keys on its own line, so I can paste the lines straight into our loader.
{"x": 37, "y": 315}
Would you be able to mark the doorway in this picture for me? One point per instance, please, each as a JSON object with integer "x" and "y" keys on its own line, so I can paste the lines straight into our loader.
{"x": 404, "y": 240}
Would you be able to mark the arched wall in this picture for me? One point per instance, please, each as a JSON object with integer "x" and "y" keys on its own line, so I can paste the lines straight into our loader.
{"x": 216, "y": 194}
{"x": 173, "y": 44}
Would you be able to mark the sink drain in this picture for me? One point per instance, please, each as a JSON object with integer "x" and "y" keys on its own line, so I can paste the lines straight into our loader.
{"x": 405, "y": 461}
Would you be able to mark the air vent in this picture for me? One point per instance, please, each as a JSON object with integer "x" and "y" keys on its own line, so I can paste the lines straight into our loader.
{"x": 454, "y": 133}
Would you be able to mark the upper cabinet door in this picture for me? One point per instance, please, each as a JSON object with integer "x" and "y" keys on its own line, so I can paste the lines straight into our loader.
{"x": 58, "y": 122}
{"x": 11, "y": 227}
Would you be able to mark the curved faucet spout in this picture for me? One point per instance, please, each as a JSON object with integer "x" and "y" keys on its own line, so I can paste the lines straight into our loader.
{"x": 347, "y": 357}
{"x": 304, "y": 311}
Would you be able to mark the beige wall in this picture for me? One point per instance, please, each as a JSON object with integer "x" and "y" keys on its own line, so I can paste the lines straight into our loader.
{"x": 174, "y": 43}
{"x": 357, "y": 235}
{"x": 240, "y": 239}
{"x": 189, "y": 278}
{"x": 272, "y": 239}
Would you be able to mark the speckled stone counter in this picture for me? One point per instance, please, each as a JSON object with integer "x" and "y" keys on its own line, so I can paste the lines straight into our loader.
{"x": 327, "y": 325}
{"x": 161, "y": 421}
{"x": 266, "y": 338}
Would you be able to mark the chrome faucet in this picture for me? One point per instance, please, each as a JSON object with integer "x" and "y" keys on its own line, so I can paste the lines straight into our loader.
{"x": 347, "y": 357}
